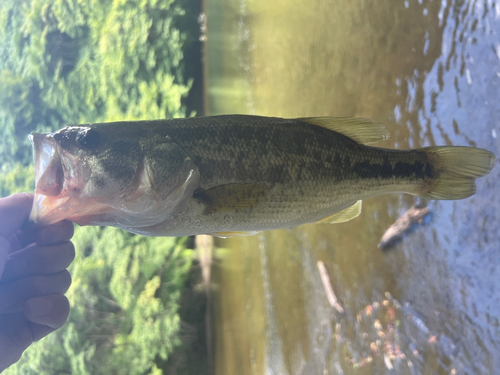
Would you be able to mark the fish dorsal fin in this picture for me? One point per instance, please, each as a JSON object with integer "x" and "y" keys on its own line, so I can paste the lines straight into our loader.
{"x": 232, "y": 234}
{"x": 346, "y": 214}
{"x": 361, "y": 130}
{"x": 231, "y": 197}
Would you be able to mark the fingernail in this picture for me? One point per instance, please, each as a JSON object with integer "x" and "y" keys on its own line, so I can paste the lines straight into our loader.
{"x": 39, "y": 306}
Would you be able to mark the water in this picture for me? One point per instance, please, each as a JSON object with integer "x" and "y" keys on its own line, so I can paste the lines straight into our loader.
{"x": 428, "y": 70}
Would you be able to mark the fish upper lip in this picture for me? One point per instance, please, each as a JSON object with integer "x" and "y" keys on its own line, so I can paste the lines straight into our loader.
{"x": 49, "y": 179}
{"x": 48, "y": 169}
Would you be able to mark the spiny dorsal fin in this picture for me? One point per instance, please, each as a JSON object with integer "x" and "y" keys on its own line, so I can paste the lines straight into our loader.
{"x": 361, "y": 130}
{"x": 346, "y": 214}
{"x": 231, "y": 197}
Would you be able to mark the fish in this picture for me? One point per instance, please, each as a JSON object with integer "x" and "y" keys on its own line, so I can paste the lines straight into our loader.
{"x": 233, "y": 175}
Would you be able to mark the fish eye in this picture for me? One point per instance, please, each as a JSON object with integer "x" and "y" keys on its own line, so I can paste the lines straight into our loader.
{"x": 88, "y": 138}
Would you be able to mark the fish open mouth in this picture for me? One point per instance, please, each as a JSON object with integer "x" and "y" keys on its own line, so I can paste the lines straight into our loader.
{"x": 57, "y": 196}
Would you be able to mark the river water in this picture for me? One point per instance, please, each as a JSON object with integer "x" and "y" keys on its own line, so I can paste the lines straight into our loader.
{"x": 429, "y": 71}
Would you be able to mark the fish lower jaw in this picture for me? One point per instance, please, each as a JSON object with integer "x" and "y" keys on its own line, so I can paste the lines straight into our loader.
{"x": 48, "y": 210}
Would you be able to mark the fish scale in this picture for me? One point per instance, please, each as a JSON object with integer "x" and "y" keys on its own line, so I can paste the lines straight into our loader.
{"x": 235, "y": 174}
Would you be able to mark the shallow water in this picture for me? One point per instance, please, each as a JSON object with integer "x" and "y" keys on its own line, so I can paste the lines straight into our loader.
{"x": 428, "y": 70}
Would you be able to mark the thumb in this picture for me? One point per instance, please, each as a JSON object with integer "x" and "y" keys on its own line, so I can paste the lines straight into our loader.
{"x": 14, "y": 210}
{"x": 4, "y": 252}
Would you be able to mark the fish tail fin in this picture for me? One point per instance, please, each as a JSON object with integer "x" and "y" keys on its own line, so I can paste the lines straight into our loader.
{"x": 457, "y": 168}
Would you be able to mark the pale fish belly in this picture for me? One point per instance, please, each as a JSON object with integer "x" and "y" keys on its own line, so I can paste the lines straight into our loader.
{"x": 282, "y": 208}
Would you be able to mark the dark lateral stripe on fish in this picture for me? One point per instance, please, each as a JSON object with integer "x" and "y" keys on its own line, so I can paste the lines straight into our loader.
{"x": 400, "y": 169}
{"x": 368, "y": 169}
{"x": 234, "y": 173}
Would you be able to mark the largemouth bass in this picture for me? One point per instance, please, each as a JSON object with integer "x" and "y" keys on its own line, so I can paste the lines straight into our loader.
{"x": 234, "y": 174}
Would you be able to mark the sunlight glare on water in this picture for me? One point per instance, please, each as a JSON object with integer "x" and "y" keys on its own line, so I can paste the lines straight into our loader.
{"x": 428, "y": 70}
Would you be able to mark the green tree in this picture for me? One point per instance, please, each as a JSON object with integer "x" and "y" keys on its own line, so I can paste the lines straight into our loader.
{"x": 74, "y": 61}
{"x": 124, "y": 301}
{"x": 124, "y": 298}
{"x": 18, "y": 180}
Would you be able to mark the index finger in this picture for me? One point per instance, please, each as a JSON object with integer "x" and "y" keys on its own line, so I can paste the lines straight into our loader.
{"x": 14, "y": 210}
{"x": 49, "y": 235}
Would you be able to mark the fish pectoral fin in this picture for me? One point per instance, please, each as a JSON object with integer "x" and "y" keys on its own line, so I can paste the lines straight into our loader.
{"x": 231, "y": 197}
{"x": 347, "y": 214}
{"x": 361, "y": 130}
{"x": 232, "y": 234}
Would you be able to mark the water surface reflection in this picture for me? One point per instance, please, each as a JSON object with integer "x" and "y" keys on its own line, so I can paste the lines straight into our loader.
{"x": 430, "y": 71}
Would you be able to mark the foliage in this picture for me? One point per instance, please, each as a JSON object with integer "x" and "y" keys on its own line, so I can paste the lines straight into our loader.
{"x": 74, "y": 61}
{"x": 20, "y": 179}
{"x": 124, "y": 301}
{"x": 124, "y": 307}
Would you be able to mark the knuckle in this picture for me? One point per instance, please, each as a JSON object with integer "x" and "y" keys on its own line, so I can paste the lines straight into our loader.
{"x": 69, "y": 253}
{"x": 69, "y": 229}
{"x": 65, "y": 280}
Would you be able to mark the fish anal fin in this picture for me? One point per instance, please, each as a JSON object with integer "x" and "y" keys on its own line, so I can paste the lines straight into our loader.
{"x": 232, "y": 234}
{"x": 361, "y": 130}
{"x": 346, "y": 214}
{"x": 231, "y": 197}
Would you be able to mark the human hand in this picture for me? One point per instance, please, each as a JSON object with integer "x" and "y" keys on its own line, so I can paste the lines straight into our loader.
{"x": 33, "y": 278}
